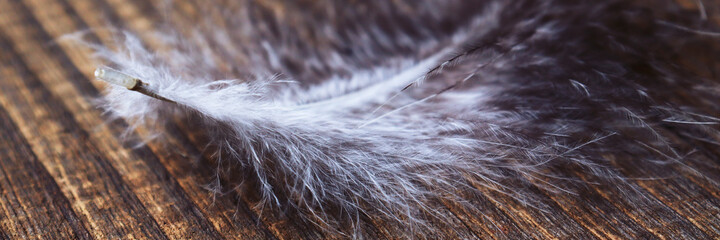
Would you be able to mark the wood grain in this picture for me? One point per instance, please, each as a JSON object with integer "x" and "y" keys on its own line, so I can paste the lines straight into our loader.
{"x": 65, "y": 173}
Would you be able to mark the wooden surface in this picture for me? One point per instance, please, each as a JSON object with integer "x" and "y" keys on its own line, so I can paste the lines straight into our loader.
{"x": 65, "y": 173}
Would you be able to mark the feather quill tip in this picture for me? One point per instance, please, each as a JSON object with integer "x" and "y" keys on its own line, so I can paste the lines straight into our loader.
{"x": 131, "y": 83}
{"x": 116, "y": 78}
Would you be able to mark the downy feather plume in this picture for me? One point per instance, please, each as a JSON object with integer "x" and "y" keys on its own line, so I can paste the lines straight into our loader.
{"x": 342, "y": 112}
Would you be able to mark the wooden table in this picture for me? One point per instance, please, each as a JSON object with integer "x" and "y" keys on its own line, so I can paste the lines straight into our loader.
{"x": 65, "y": 173}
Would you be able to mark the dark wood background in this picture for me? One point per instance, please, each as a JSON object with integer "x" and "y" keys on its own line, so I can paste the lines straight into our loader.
{"x": 65, "y": 173}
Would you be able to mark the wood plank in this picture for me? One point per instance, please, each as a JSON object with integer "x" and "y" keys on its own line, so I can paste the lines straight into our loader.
{"x": 487, "y": 221}
{"x": 33, "y": 207}
{"x": 160, "y": 194}
{"x": 545, "y": 219}
{"x": 598, "y": 214}
{"x": 104, "y": 204}
{"x": 650, "y": 214}
{"x": 683, "y": 197}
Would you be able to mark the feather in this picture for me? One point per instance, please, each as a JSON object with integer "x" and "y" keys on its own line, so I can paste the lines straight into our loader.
{"x": 382, "y": 109}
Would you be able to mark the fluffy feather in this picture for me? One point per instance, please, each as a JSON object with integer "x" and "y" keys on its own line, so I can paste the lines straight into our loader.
{"x": 382, "y": 108}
